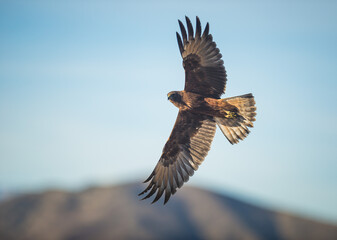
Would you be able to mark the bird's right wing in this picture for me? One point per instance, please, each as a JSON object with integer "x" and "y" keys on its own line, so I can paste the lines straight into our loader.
{"x": 184, "y": 151}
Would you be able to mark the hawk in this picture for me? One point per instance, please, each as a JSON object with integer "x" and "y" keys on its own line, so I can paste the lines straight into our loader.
{"x": 200, "y": 110}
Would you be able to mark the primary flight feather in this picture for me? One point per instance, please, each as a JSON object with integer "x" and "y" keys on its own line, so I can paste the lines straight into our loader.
{"x": 200, "y": 110}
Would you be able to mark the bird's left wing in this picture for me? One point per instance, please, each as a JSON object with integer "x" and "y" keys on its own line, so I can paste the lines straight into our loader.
{"x": 205, "y": 73}
{"x": 184, "y": 151}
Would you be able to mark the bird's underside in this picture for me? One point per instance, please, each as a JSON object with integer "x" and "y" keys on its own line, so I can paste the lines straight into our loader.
{"x": 200, "y": 110}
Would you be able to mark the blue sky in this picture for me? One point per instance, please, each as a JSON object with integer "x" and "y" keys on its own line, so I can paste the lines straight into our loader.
{"x": 83, "y": 89}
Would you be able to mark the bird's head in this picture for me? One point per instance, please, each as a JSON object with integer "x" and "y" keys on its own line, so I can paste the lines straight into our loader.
{"x": 174, "y": 97}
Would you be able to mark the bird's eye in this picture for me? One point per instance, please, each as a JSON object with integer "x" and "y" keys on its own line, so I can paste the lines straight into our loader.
{"x": 176, "y": 97}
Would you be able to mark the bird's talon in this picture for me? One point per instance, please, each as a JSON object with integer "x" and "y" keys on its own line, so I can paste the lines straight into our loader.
{"x": 230, "y": 114}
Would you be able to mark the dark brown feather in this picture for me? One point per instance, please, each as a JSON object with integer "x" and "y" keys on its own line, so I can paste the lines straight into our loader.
{"x": 183, "y": 31}
{"x": 206, "y": 30}
{"x": 198, "y": 29}
{"x": 191, "y": 133}
{"x": 190, "y": 29}
{"x": 180, "y": 43}
{"x": 204, "y": 70}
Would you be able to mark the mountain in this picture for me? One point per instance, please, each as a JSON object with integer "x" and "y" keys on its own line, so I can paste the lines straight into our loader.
{"x": 117, "y": 213}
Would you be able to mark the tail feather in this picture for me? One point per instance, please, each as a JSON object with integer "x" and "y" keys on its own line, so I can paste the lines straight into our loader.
{"x": 235, "y": 129}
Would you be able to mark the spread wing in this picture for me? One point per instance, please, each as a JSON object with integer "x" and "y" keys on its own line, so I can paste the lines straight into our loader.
{"x": 184, "y": 151}
{"x": 204, "y": 70}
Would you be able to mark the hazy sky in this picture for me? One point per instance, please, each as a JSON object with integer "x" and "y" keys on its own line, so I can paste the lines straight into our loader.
{"x": 83, "y": 89}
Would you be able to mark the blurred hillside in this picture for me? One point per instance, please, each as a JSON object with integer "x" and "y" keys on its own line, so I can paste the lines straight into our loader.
{"x": 116, "y": 213}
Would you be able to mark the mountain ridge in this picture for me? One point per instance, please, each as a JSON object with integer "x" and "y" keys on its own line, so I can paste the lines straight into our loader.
{"x": 116, "y": 212}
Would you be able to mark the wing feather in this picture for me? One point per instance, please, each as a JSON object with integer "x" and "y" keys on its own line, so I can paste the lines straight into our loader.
{"x": 185, "y": 150}
{"x": 180, "y": 43}
{"x": 204, "y": 70}
{"x": 198, "y": 29}
{"x": 205, "y": 34}
{"x": 183, "y": 32}
{"x": 190, "y": 29}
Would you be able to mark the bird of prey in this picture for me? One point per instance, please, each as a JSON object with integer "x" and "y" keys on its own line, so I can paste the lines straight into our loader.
{"x": 200, "y": 110}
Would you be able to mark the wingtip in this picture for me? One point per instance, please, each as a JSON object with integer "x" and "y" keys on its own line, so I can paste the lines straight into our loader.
{"x": 143, "y": 192}
{"x": 166, "y": 199}
{"x": 183, "y": 31}
{"x": 189, "y": 28}
{"x": 149, "y": 178}
{"x": 180, "y": 44}
{"x": 144, "y": 198}
{"x": 198, "y": 28}
{"x": 206, "y": 31}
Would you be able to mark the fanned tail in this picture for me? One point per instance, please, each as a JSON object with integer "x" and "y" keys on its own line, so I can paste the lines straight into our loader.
{"x": 236, "y": 127}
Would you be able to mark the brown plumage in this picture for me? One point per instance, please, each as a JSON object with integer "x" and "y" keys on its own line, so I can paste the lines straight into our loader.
{"x": 200, "y": 110}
